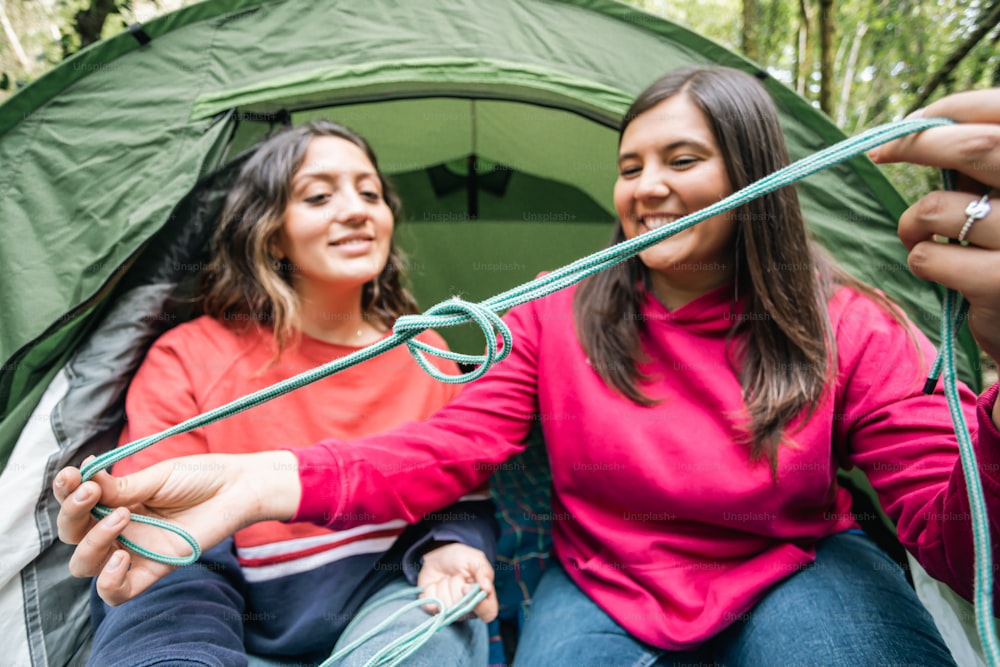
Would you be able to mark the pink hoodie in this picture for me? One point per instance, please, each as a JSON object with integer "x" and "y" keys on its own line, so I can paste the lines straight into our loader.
{"x": 658, "y": 513}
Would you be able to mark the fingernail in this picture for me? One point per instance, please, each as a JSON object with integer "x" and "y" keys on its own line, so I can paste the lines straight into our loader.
{"x": 60, "y": 482}
{"x": 117, "y": 559}
{"x": 115, "y": 518}
{"x": 81, "y": 494}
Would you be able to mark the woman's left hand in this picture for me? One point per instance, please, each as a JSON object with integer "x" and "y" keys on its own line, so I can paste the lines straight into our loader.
{"x": 449, "y": 572}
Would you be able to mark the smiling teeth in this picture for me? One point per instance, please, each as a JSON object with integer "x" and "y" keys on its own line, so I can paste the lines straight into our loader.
{"x": 656, "y": 223}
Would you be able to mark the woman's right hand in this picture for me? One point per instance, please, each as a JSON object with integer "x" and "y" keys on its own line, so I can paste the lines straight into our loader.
{"x": 971, "y": 147}
{"x": 210, "y": 496}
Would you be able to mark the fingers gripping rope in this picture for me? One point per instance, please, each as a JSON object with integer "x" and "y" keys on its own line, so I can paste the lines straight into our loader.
{"x": 101, "y": 511}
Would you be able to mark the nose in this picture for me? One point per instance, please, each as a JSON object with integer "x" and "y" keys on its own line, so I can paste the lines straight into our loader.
{"x": 652, "y": 183}
{"x": 351, "y": 208}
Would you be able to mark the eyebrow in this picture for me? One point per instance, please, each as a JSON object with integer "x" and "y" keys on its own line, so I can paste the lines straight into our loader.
{"x": 670, "y": 147}
{"x": 322, "y": 175}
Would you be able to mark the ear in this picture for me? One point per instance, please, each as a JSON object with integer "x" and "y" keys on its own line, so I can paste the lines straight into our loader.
{"x": 276, "y": 247}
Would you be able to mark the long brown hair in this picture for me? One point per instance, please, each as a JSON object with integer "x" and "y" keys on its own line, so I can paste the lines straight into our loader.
{"x": 244, "y": 283}
{"x": 784, "y": 347}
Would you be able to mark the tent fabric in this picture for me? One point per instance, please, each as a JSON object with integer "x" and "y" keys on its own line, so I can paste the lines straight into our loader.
{"x": 123, "y": 127}
{"x": 114, "y": 164}
{"x": 45, "y": 613}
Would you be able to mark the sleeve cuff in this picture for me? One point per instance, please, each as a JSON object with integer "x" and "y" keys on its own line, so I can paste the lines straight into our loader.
{"x": 320, "y": 474}
{"x": 473, "y": 529}
{"x": 412, "y": 559}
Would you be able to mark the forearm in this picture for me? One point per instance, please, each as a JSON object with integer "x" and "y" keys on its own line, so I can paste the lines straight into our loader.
{"x": 392, "y": 476}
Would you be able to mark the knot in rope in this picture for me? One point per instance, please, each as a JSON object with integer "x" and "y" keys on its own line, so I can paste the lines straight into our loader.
{"x": 450, "y": 313}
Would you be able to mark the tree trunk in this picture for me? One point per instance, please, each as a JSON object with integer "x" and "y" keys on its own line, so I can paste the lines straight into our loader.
{"x": 751, "y": 43}
{"x": 804, "y": 60}
{"x": 15, "y": 43}
{"x": 991, "y": 17}
{"x": 996, "y": 70}
{"x": 848, "y": 72}
{"x": 826, "y": 56}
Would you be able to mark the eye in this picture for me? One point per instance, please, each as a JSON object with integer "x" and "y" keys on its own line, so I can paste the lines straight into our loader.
{"x": 629, "y": 171}
{"x": 371, "y": 195}
{"x": 319, "y": 198}
{"x": 683, "y": 162}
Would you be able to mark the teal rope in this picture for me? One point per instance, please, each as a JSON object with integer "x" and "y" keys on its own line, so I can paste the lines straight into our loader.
{"x": 456, "y": 311}
{"x": 955, "y": 309}
{"x": 101, "y": 511}
{"x": 404, "y": 646}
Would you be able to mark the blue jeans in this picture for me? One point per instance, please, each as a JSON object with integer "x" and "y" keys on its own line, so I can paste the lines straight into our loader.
{"x": 852, "y": 608}
{"x": 462, "y": 644}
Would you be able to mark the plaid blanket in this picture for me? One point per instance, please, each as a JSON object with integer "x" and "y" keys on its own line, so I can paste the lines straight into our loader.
{"x": 521, "y": 489}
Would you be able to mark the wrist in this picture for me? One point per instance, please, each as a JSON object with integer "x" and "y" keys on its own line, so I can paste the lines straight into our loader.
{"x": 430, "y": 546}
{"x": 273, "y": 480}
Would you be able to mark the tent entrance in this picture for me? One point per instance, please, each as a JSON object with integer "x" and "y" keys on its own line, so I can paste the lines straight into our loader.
{"x": 493, "y": 191}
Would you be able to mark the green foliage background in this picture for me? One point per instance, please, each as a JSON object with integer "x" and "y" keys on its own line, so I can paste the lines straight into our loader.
{"x": 886, "y": 50}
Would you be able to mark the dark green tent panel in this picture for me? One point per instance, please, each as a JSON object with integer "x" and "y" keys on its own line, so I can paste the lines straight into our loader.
{"x": 496, "y": 120}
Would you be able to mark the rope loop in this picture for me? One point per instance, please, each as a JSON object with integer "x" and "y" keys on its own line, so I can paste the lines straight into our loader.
{"x": 461, "y": 311}
{"x": 101, "y": 511}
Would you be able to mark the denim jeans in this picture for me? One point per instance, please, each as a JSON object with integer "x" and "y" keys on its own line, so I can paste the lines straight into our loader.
{"x": 852, "y": 608}
{"x": 462, "y": 644}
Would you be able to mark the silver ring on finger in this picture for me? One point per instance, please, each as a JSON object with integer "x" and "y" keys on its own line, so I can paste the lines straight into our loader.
{"x": 976, "y": 210}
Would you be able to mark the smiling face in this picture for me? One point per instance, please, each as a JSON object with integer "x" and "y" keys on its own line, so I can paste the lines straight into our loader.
{"x": 670, "y": 165}
{"x": 337, "y": 229}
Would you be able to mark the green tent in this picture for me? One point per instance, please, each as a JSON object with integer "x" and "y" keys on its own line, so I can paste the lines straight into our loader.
{"x": 497, "y": 121}
{"x": 97, "y": 153}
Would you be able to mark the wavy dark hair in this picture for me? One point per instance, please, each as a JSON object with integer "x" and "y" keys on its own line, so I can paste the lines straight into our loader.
{"x": 784, "y": 349}
{"x": 244, "y": 283}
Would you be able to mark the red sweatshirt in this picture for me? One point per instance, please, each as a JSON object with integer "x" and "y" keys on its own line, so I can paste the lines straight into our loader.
{"x": 300, "y": 583}
{"x": 206, "y": 365}
{"x": 659, "y": 514}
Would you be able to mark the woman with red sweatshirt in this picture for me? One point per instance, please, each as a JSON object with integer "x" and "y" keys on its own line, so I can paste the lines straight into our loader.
{"x": 696, "y": 403}
{"x": 304, "y": 270}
